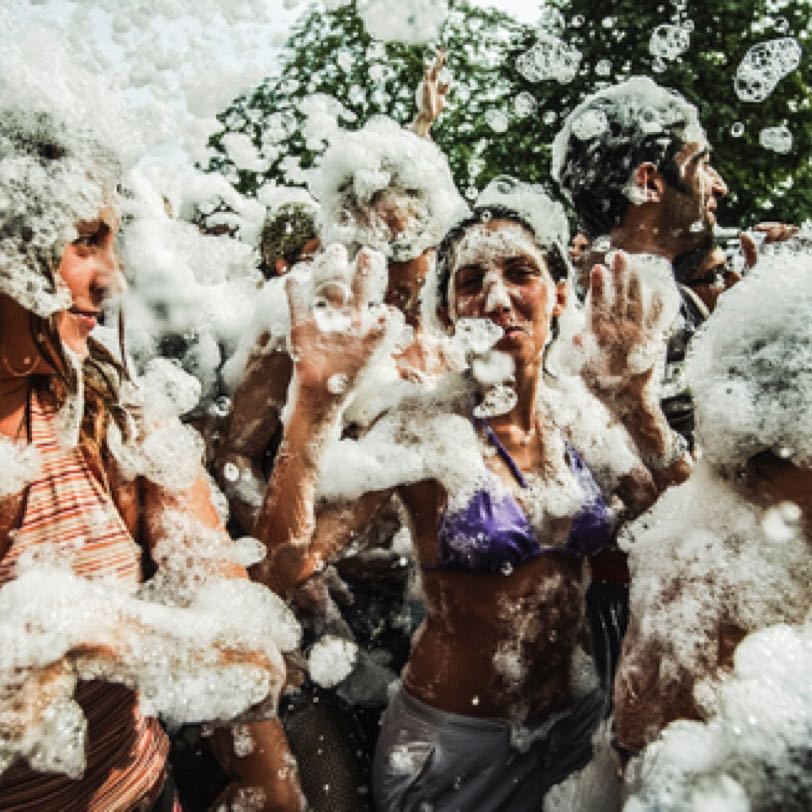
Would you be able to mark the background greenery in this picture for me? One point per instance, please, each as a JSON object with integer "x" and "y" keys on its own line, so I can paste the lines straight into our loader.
{"x": 329, "y": 52}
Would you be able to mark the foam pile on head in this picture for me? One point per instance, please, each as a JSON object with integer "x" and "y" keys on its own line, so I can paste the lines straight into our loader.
{"x": 54, "y": 171}
{"x": 609, "y": 134}
{"x": 751, "y": 368}
{"x": 387, "y": 188}
{"x": 49, "y": 181}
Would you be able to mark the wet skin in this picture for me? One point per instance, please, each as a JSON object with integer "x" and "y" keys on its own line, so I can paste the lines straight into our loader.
{"x": 642, "y": 708}
{"x": 499, "y": 645}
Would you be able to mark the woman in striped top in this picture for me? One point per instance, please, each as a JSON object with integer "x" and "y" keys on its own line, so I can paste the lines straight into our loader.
{"x": 78, "y": 499}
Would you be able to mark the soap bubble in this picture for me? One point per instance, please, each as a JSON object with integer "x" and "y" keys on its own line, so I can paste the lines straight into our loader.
{"x": 669, "y": 41}
{"x": 763, "y": 67}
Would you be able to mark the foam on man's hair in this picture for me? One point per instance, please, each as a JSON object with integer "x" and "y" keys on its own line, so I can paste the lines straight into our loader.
{"x": 611, "y": 132}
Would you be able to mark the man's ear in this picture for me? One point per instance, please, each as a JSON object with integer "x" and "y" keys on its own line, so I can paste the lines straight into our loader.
{"x": 648, "y": 179}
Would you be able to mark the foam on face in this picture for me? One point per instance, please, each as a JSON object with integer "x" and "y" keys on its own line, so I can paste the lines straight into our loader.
{"x": 485, "y": 246}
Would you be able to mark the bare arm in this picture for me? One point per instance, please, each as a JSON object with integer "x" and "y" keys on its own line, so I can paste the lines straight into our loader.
{"x": 619, "y": 326}
{"x": 287, "y": 525}
{"x": 256, "y": 406}
{"x": 431, "y": 95}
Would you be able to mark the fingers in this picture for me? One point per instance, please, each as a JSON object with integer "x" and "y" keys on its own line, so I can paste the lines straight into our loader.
{"x": 621, "y": 279}
{"x": 298, "y": 300}
{"x": 776, "y": 232}
{"x": 437, "y": 66}
{"x": 360, "y": 285}
{"x": 749, "y": 249}
{"x": 655, "y": 312}
{"x": 597, "y": 293}
{"x": 634, "y": 298}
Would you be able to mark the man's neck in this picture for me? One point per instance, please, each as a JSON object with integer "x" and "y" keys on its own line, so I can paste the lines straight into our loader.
{"x": 645, "y": 238}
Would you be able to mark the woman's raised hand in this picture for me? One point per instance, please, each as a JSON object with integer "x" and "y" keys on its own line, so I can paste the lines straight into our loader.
{"x": 626, "y": 333}
{"x": 334, "y": 329}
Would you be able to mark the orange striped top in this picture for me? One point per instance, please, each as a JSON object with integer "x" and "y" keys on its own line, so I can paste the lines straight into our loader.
{"x": 67, "y": 509}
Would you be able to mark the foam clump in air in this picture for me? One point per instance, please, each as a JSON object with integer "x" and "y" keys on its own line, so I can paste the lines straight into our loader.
{"x": 190, "y": 291}
{"x": 331, "y": 660}
{"x": 213, "y": 659}
{"x": 322, "y": 113}
{"x": 387, "y": 188}
{"x": 764, "y": 66}
{"x": 750, "y": 374}
{"x": 549, "y": 58}
{"x": 411, "y": 21}
{"x": 777, "y": 139}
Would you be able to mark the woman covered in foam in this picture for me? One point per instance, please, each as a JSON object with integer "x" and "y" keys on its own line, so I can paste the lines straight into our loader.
{"x": 78, "y": 496}
{"x": 503, "y": 511}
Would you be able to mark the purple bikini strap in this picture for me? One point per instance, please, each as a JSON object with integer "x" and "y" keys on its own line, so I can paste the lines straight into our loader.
{"x": 493, "y": 438}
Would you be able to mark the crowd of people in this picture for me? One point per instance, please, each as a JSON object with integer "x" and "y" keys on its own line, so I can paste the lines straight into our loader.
{"x": 521, "y": 495}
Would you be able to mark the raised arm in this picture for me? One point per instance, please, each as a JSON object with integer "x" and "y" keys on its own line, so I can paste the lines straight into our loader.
{"x": 622, "y": 327}
{"x": 255, "y": 416}
{"x": 327, "y": 362}
{"x": 431, "y": 93}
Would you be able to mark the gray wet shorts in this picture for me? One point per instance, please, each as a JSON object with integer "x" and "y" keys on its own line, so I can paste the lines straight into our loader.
{"x": 428, "y": 760}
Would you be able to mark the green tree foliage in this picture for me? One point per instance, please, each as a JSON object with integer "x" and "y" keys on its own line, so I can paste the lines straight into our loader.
{"x": 499, "y": 122}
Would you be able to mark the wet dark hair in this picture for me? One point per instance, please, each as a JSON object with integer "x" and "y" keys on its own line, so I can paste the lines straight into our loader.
{"x": 595, "y": 171}
{"x": 557, "y": 264}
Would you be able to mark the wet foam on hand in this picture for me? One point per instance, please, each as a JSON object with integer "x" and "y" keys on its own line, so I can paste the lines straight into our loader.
{"x": 212, "y": 659}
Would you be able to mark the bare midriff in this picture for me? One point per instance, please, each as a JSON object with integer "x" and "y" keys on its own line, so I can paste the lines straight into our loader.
{"x": 495, "y": 645}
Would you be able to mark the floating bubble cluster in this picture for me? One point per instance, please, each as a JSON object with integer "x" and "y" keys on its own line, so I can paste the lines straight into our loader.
{"x": 778, "y": 139}
{"x": 669, "y": 41}
{"x": 525, "y": 104}
{"x": 496, "y": 120}
{"x": 763, "y": 67}
{"x": 550, "y": 58}
{"x": 411, "y": 21}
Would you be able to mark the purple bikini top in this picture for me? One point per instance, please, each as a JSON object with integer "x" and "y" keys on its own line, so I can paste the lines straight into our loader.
{"x": 493, "y": 534}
